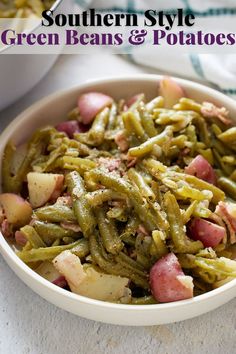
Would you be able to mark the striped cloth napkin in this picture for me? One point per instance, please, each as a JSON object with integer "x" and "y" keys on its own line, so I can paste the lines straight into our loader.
{"x": 218, "y": 70}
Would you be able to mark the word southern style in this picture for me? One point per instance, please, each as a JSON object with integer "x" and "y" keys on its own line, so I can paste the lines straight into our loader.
{"x": 92, "y": 18}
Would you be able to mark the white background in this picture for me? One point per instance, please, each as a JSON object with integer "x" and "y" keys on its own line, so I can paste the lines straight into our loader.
{"x": 28, "y": 324}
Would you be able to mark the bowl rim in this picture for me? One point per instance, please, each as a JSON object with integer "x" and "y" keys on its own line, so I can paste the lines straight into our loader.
{"x": 52, "y": 8}
{"x": 7, "y": 251}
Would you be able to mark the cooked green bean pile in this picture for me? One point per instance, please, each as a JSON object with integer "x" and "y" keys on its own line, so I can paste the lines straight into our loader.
{"x": 23, "y": 8}
{"x": 141, "y": 181}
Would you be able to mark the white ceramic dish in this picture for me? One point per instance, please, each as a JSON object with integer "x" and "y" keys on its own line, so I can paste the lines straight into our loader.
{"x": 19, "y": 73}
{"x": 53, "y": 109}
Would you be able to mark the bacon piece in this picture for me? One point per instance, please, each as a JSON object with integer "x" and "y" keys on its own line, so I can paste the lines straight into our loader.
{"x": 111, "y": 164}
{"x": 209, "y": 110}
{"x": 227, "y": 211}
{"x": 141, "y": 228}
{"x": 70, "y": 226}
{"x": 122, "y": 141}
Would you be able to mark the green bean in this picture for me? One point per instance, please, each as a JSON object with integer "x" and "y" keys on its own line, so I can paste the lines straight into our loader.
{"x": 50, "y": 232}
{"x": 147, "y": 147}
{"x": 108, "y": 232}
{"x": 229, "y": 136}
{"x": 48, "y": 253}
{"x": 193, "y": 193}
{"x": 222, "y": 266}
{"x": 133, "y": 125}
{"x": 68, "y": 240}
{"x": 231, "y": 160}
{"x": 154, "y": 167}
{"x": 201, "y": 211}
{"x": 120, "y": 185}
{"x": 55, "y": 213}
{"x": 218, "y": 160}
{"x": 233, "y": 176}
{"x": 188, "y": 104}
{"x": 160, "y": 216}
{"x": 97, "y": 131}
{"x": 182, "y": 243}
{"x": 228, "y": 186}
{"x": 100, "y": 196}
{"x": 208, "y": 155}
{"x": 203, "y": 130}
{"x": 81, "y": 248}
{"x": 119, "y": 213}
{"x": 141, "y": 184}
{"x": 145, "y": 300}
{"x": 122, "y": 256}
{"x": 218, "y": 194}
{"x": 179, "y": 141}
{"x": 190, "y": 132}
{"x": 32, "y": 236}
{"x": 110, "y": 266}
{"x": 81, "y": 206}
{"x": 129, "y": 265}
{"x": 112, "y": 117}
{"x": 216, "y": 129}
{"x": 189, "y": 211}
{"x": 139, "y": 98}
{"x": 83, "y": 149}
{"x": 56, "y": 242}
{"x": 78, "y": 164}
{"x": 8, "y": 183}
{"x": 147, "y": 121}
{"x": 158, "y": 247}
{"x": 220, "y": 147}
{"x": 187, "y": 261}
{"x": 157, "y": 102}
{"x": 130, "y": 230}
{"x": 35, "y": 147}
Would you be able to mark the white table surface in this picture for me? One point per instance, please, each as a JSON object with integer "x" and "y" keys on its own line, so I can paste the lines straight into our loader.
{"x": 29, "y": 324}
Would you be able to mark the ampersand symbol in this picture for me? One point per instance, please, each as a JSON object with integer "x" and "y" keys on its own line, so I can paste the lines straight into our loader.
{"x": 137, "y": 37}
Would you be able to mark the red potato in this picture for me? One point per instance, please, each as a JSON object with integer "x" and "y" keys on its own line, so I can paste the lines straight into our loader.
{"x": 44, "y": 187}
{"x": 208, "y": 233}
{"x": 168, "y": 282}
{"x": 201, "y": 168}
{"x": 90, "y": 104}
{"x": 170, "y": 91}
{"x": 17, "y": 210}
{"x": 71, "y": 127}
{"x": 60, "y": 281}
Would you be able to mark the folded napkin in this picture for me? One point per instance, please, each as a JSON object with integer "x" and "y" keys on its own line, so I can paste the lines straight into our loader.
{"x": 218, "y": 70}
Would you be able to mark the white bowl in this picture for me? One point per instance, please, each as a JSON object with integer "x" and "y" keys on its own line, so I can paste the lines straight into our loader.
{"x": 53, "y": 109}
{"x": 19, "y": 73}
